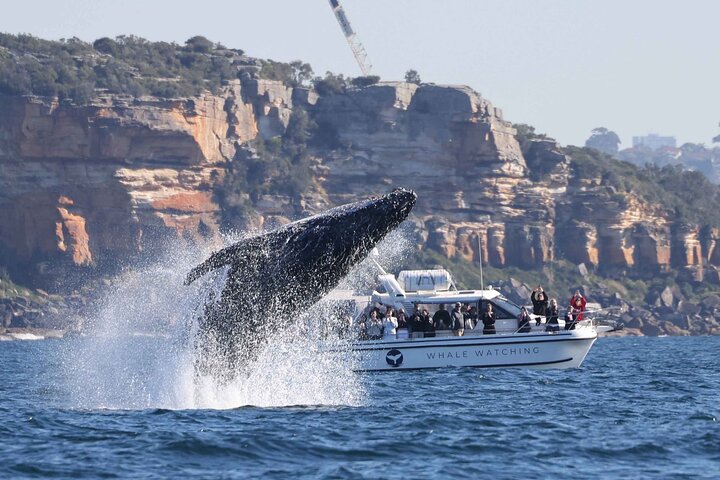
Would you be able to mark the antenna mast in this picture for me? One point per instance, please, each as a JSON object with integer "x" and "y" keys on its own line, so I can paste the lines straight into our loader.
{"x": 357, "y": 48}
{"x": 480, "y": 254}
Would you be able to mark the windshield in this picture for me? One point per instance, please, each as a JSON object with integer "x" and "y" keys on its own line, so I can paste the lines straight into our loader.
{"x": 510, "y": 307}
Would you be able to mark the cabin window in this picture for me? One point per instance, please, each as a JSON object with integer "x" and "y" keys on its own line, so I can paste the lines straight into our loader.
{"x": 507, "y": 306}
{"x": 500, "y": 311}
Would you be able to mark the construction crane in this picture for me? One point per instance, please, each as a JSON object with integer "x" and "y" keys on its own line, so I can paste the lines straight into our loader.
{"x": 357, "y": 48}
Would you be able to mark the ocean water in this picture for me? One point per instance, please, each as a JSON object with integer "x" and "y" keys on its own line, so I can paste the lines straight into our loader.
{"x": 638, "y": 408}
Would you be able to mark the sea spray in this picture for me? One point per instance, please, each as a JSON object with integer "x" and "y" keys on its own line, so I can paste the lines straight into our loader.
{"x": 138, "y": 349}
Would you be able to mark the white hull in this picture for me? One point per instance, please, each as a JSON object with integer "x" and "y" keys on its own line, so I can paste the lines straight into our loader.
{"x": 565, "y": 349}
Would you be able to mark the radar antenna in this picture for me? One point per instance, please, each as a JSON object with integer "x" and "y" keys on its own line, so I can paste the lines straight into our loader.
{"x": 357, "y": 48}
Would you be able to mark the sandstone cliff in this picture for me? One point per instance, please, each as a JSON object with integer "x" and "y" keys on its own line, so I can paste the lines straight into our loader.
{"x": 88, "y": 187}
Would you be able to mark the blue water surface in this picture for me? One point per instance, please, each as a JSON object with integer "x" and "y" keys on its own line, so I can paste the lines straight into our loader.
{"x": 638, "y": 408}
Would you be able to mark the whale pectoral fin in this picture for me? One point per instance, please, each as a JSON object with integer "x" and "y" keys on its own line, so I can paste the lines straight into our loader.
{"x": 223, "y": 257}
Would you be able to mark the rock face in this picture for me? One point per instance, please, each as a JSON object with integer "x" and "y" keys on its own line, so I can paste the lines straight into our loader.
{"x": 455, "y": 149}
{"x": 85, "y": 188}
{"x": 88, "y": 186}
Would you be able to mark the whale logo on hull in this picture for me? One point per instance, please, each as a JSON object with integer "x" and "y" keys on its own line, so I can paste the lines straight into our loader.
{"x": 394, "y": 357}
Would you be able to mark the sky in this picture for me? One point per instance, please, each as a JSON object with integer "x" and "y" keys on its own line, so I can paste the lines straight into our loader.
{"x": 563, "y": 66}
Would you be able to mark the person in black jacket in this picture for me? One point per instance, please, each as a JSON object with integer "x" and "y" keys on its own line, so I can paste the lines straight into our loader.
{"x": 488, "y": 320}
{"x": 540, "y": 302}
{"x": 415, "y": 324}
{"x": 402, "y": 319}
{"x": 429, "y": 328}
{"x": 552, "y": 317}
{"x": 471, "y": 318}
{"x": 524, "y": 321}
{"x": 442, "y": 319}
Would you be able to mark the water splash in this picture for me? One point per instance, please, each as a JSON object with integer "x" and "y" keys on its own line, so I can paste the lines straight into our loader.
{"x": 138, "y": 352}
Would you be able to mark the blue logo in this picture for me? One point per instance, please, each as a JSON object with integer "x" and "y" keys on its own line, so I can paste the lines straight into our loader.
{"x": 394, "y": 358}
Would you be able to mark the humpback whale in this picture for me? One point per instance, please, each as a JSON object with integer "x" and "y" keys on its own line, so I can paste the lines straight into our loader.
{"x": 274, "y": 277}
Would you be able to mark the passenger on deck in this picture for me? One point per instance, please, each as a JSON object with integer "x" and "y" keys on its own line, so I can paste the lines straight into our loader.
{"x": 375, "y": 328}
{"x": 575, "y": 311}
{"x": 488, "y": 320}
{"x": 540, "y": 302}
{"x": 344, "y": 326}
{"x": 417, "y": 327}
{"x": 552, "y": 317}
{"x": 428, "y": 323}
{"x": 524, "y": 321}
{"x": 401, "y": 319}
{"x": 442, "y": 319}
{"x": 390, "y": 324}
{"x": 458, "y": 320}
{"x": 471, "y": 318}
{"x": 361, "y": 327}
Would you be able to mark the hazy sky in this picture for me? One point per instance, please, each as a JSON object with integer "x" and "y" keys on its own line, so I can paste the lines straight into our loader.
{"x": 565, "y": 66}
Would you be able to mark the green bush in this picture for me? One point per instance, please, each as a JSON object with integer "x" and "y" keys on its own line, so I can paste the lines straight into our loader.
{"x": 689, "y": 195}
{"x": 127, "y": 64}
{"x": 282, "y": 165}
{"x": 365, "y": 81}
{"x": 330, "y": 85}
{"x": 293, "y": 74}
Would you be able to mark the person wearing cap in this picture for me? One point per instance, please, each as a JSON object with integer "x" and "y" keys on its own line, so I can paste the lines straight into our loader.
{"x": 458, "y": 321}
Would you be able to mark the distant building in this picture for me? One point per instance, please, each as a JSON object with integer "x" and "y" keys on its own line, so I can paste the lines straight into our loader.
{"x": 654, "y": 142}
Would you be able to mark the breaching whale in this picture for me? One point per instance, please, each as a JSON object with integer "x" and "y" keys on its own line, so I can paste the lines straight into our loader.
{"x": 274, "y": 277}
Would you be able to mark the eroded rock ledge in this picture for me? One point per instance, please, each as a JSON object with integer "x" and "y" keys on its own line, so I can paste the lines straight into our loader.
{"x": 85, "y": 188}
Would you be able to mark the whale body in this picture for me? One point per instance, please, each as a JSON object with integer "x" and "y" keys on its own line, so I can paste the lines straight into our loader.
{"x": 274, "y": 277}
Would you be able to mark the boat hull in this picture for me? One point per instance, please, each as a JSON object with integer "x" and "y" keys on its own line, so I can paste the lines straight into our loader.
{"x": 532, "y": 350}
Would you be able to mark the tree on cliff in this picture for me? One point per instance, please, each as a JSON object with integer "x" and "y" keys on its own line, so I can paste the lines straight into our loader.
{"x": 365, "y": 81}
{"x": 717, "y": 139}
{"x": 293, "y": 74}
{"x": 73, "y": 69}
{"x": 199, "y": 44}
{"x": 412, "y": 76}
{"x": 604, "y": 140}
{"x": 330, "y": 85}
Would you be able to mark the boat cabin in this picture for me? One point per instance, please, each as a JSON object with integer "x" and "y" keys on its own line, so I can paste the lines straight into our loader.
{"x": 429, "y": 289}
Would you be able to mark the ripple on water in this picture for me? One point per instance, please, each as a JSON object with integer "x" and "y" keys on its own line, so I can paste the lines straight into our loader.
{"x": 631, "y": 412}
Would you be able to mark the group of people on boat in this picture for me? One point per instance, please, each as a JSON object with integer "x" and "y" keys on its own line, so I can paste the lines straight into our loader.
{"x": 548, "y": 308}
{"x": 376, "y": 324}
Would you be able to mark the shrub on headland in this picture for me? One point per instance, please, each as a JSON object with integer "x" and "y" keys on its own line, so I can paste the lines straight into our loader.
{"x": 689, "y": 195}
{"x": 73, "y": 69}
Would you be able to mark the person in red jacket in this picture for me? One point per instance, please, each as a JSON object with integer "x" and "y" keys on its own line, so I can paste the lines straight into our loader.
{"x": 575, "y": 310}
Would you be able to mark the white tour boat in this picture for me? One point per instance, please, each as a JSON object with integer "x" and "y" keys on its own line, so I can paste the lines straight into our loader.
{"x": 507, "y": 348}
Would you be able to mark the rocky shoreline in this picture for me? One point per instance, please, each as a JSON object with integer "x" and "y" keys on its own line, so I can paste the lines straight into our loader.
{"x": 53, "y": 316}
{"x": 665, "y": 313}
{"x": 41, "y": 314}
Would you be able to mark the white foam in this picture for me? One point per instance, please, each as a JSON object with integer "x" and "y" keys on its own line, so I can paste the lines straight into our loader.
{"x": 138, "y": 349}
{"x": 25, "y": 336}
